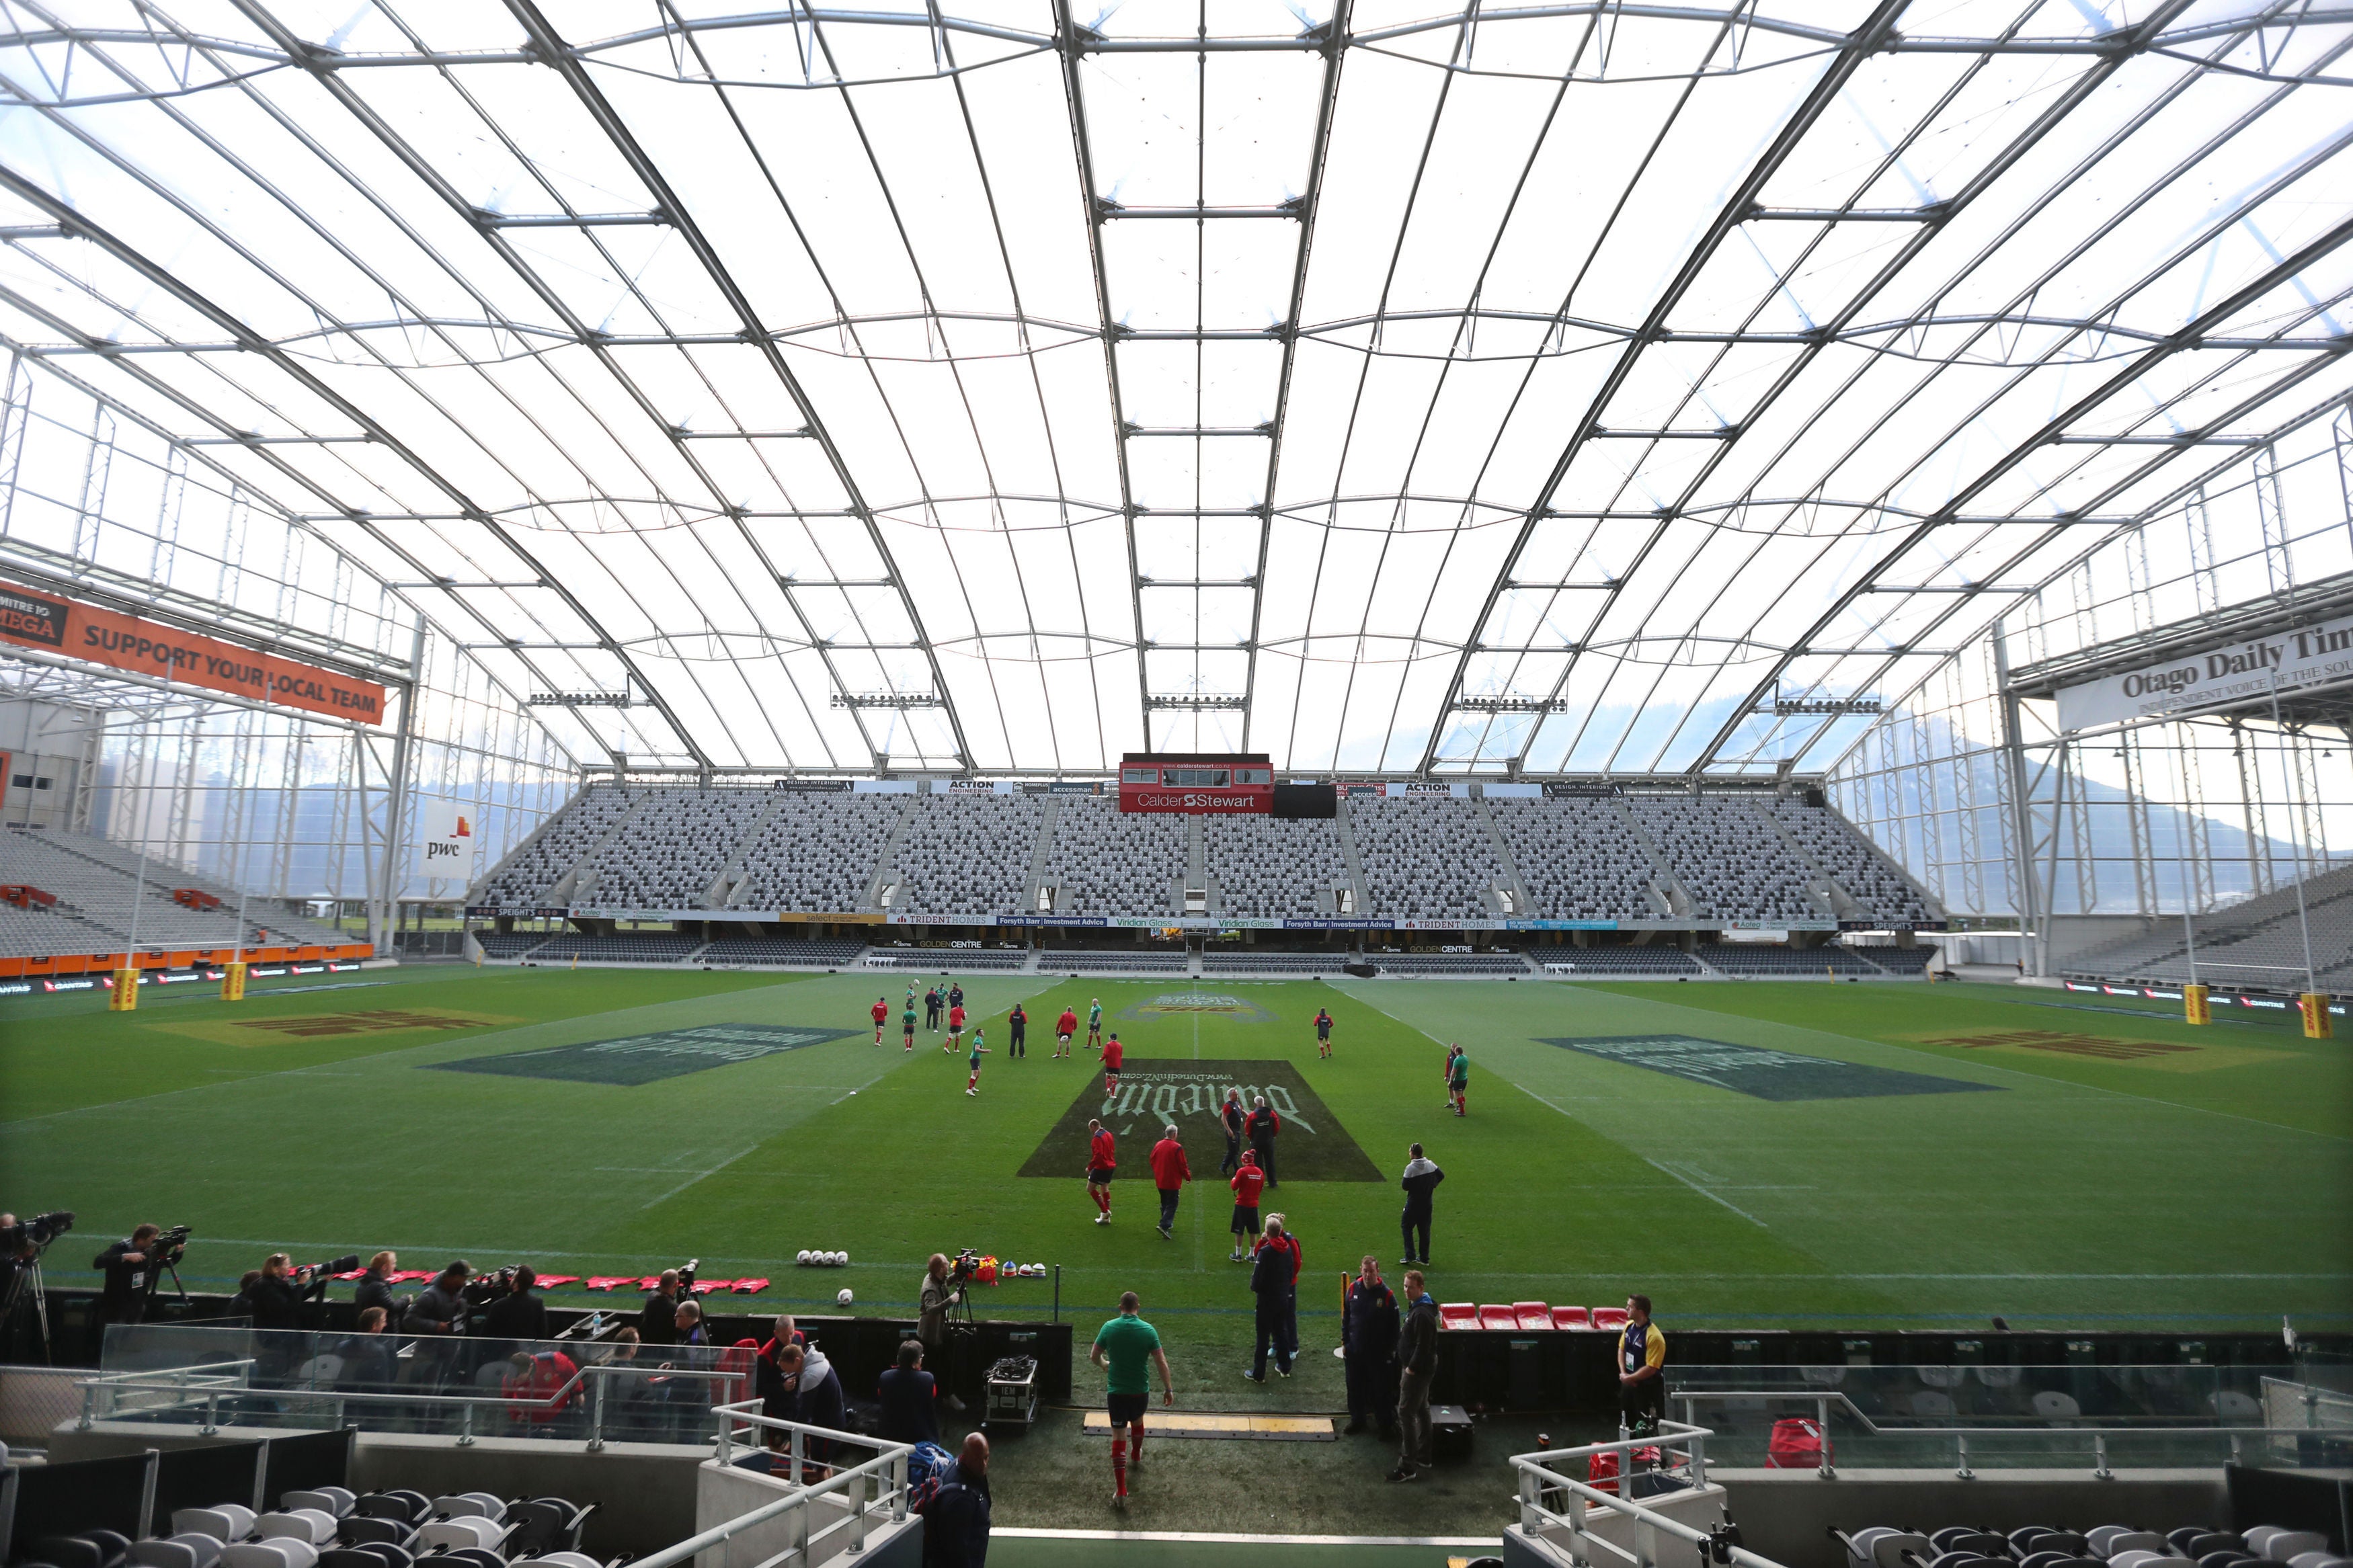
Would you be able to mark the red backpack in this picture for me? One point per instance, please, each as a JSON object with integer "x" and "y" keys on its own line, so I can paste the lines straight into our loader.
{"x": 1601, "y": 1469}
{"x": 1798, "y": 1444}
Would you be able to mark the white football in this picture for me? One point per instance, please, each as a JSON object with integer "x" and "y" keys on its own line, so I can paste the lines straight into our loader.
{"x": 843, "y": 1298}
{"x": 842, "y": 1259}
{"x": 834, "y": 1258}
{"x": 803, "y": 1259}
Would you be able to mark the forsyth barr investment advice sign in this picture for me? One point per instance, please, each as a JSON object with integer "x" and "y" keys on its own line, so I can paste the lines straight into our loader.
{"x": 125, "y": 642}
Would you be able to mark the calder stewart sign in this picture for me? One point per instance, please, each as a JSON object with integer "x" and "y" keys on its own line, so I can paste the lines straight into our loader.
{"x": 2287, "y": 661}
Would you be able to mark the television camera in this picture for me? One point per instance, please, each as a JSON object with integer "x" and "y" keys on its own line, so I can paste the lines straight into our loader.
{"x": 34, "y": 1235}
{"x": 22, "y": 1242}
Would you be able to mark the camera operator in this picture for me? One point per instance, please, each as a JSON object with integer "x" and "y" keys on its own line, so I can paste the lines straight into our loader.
{"x": 129, "y": 1269}
{"x": 374, "y": 1289}
{"x": 943, "y": 1287}
{"x": 518, "y": 1315}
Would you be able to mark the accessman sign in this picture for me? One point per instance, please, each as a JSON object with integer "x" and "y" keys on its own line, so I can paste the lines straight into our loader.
{"x": 2308, "y": 656}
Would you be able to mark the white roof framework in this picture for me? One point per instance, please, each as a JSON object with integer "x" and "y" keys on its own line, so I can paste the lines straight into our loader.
{"x": 1534, "y": 388}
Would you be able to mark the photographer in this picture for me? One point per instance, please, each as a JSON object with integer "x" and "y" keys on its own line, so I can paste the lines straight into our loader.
{"x": 275, "y": 1300}
{"x": 518, "y": 1316}
{"x": 658, "y": 1319}
{"x": 374, "y": 1289}
{"x": 942, "y": 1289}
{"x": 129, "y": 1269}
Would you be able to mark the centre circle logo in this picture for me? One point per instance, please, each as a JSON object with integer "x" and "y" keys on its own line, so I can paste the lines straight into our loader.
{"x": 1182, "y": 1003}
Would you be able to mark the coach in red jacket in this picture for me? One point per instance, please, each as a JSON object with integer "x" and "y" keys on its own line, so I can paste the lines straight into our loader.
{"x": 1169, "y": 1173}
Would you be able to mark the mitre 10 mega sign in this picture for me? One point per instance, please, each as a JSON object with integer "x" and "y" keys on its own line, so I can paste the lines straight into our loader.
{"x": 145, "y": 648}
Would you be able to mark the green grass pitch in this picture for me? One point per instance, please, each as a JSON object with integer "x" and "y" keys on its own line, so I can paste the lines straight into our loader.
{"x": 2094, "y": 1165}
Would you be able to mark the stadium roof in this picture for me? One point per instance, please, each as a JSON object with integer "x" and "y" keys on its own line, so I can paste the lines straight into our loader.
{"x": 1548, "y": 387}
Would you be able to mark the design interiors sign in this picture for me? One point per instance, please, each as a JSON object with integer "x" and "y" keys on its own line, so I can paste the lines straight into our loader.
{"x": 2308, "y": 656}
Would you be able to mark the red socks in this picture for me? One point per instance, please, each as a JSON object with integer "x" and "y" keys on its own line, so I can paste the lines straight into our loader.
{"x": 1119, "y": 1464}
{"x": 1102, "y": 1198}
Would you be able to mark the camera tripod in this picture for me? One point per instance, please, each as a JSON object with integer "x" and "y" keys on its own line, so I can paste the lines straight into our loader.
{"x": 26, "y": 1287}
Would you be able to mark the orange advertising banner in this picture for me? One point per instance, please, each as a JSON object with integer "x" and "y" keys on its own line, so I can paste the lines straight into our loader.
{"x": 126, "y": 642}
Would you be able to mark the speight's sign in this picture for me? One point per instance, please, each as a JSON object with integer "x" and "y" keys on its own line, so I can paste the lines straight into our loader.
{"x": 146, "y": 647}
{"x": 2246, "y": 671}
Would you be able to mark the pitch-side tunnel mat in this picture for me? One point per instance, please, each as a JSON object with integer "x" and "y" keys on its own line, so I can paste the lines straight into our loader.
{"x": 1247, "y": 1428}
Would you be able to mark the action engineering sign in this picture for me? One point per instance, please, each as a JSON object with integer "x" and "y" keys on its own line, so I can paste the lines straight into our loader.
{"x": 126, "y": 642}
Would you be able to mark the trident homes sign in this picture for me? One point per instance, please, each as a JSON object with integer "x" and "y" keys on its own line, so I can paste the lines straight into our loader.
{"x": 2286, "y": 661}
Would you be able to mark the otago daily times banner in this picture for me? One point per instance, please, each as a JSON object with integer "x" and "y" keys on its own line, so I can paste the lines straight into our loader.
{"x": 125, "y": 642}
{"x": 2247, "y": 671}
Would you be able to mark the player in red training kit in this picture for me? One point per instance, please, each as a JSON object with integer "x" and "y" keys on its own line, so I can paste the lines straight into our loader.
{"x": 1101, "y": 1163}
{"x": 882, "y": 1016}
{"x": 1113, "y": 1052}
{"x": 1064, "y": 1027}
{"x": 955, "y": 1029}
{"x": 1248, "y": 1182}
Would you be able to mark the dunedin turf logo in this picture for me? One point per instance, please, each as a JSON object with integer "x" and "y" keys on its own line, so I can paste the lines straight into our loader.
{"x": 1311, "y": 1147}
{"x": 1195, "y": 1004}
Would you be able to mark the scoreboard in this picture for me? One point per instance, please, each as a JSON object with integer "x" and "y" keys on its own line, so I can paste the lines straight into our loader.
{"x": 1240, "y": 783}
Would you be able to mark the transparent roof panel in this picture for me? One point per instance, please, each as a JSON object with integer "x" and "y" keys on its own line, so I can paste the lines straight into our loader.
{"x": 1002, "y": 384}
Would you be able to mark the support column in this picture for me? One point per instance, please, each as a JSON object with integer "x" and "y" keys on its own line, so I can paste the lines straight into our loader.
{"x": 388, "y": 872}
{"x": 2026, "y": 895}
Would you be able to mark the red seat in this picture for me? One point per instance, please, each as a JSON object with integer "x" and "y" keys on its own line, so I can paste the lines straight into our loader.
{"x": 1499, "y": 1319}
{"x": 1458, "y": 1315}
{"x": 1571, "y": 1318}
{"x": 1610, "y": 1318}
{"x": 1531, "y": 1315}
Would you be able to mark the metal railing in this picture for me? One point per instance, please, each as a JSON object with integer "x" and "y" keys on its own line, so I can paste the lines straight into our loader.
{"x": 2066, "y": 1432}
{"x": 202, "y": 1390}
{"x": 1552, "y": 1501}
{"x": 870, "y": 1491}
{"x": 875, "y": 1486}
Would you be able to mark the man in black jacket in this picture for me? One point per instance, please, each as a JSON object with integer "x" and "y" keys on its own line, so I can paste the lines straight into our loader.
{"x": 439, "y": 1308}
{"x": 1232, "y": 1115}
{"x": 1417, "y": 1358}
{"x": 955, "y": 1521}
{"x": 1421, "y": 1179}
{"x": 1368, "y": 1333}
{"x": 518, "y": 1316}
{"x": 1261, "y": 1128}
{"x": 1271, "y": 1281}
{"x": 129, "y": 1269}
{"x": 658, "y": 1322}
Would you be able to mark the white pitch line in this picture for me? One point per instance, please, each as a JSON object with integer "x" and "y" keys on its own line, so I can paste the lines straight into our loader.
{"x": 698, "y": 1176}
{"x": 1713, "y": 1197}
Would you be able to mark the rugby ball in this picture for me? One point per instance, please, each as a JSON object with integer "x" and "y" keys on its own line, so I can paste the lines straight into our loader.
{"x": 804, "y": 1259}
{"x": 843, "y": 1298}
{"x": 842, "y": 1259}
{"x": 833, "y": 1259}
